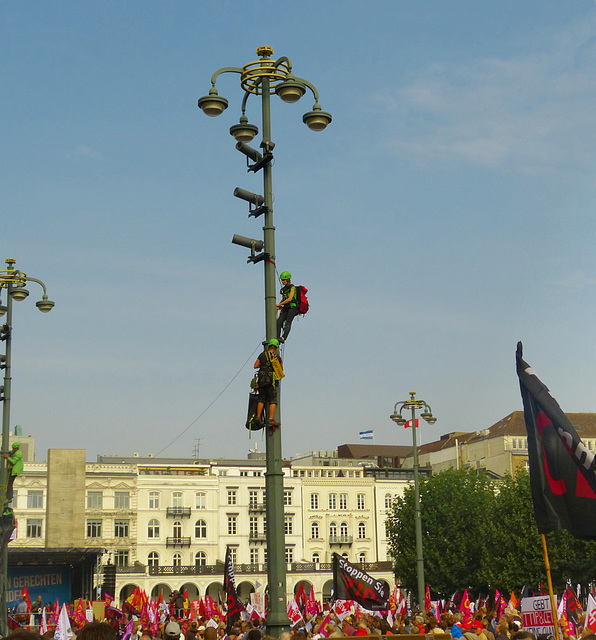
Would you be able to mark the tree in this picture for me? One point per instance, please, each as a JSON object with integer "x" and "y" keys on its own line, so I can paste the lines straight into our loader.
{"x": 455, "y": 508}
{"x": 481, "y": 534}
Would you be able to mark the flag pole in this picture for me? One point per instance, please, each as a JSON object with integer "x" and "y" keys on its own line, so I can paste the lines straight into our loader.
{"x": 550, "y": 587}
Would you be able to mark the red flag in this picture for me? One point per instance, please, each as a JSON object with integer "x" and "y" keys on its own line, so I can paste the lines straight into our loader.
{"x": 464, "y": 608}
{"x": 591, "y": 613}
{"x": 408, "y": 424}
{"x": 27, "y": 599}
{"x": 301, "y": 597}
{"x": 323, "y": 628}
{"x": 427, "y": 602}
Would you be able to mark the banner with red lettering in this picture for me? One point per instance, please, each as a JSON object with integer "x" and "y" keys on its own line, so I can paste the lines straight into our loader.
{"x": 351, "y": 583}
{"x": 562, "y": 468}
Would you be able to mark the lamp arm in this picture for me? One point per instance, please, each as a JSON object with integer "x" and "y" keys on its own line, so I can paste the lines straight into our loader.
{"x": 311, "y": 86}
{"x": 224, "y": 70}
{"x": 283, "y": 59}
{"x": 43, "y": 286}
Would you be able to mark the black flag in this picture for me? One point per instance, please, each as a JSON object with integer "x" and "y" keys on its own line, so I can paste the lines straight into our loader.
{"x": 234, "y": 606}
{"x": 351, "y": 583}
{"x": 562, "y": 468}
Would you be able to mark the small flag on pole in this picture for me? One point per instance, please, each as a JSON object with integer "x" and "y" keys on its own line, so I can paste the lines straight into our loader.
{"x": 367, "y": 435}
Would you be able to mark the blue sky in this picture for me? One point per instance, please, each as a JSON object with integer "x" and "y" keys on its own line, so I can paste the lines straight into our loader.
{"x": 446, "y": 213}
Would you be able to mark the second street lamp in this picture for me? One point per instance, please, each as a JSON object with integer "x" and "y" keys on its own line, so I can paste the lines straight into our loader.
{"x": 263, "y": 78}
{"x": 13, "y": 282}
{"x": 414, "y": 404}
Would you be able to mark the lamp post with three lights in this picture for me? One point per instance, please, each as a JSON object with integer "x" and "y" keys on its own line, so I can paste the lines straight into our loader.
{"x": 415, "y": 404}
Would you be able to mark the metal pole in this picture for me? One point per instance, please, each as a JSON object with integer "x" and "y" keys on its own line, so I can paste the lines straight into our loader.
{"x": 417, "y": 518}
{"x": 4, "y": 467}
{"x": 277, "y": 619}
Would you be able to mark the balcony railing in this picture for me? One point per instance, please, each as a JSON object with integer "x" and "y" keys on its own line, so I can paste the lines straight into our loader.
{"x": 178, "y": 512}
{"x": 173, "y": 541}
{"x": 257, "y": 537}
{"x": 295, "y": 567}
{"x": 341, "y": 539}
{"x": 257, "y": 507}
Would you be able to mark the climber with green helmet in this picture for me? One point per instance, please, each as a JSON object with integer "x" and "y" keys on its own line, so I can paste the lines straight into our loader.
{"x": 288, "y": 306}
{"x": 268, "y": 381}
{"x": 15, "y": 468}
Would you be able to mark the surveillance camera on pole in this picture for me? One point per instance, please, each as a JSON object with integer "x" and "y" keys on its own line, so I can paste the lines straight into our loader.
{"x": 253, "y": 245}
{"x": 253, "y": 199}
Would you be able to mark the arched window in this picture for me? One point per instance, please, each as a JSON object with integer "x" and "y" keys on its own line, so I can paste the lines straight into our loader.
{"x": 316, "y": 558}
{"x": 153, "y": 559}
{"x": 333, "y": 530}
{"x": 177, "y": 560}
{"x": 388, "y": 501}
{"x": 362, "y": 557}
{"x": 200, "y": 529}
{"x": 153, "y": 528}
{"x": 177, "y": 529}
{"x": 343, "y": 530}
{"x": 200, "y": 559}
{"x": 314, "y": 530}
{"x": 361, "y": 530}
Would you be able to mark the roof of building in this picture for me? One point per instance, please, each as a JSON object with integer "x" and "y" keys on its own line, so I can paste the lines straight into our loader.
{"x": 515, "y": 425}
{"x": 450, "y": 440}
{"x": 373, "y": 451}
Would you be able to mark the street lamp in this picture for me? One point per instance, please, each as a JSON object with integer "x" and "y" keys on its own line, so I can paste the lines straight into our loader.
{"x": 14, "y": 282}
{"x": 262, "y": 78}
{"x": 397, "y": 417}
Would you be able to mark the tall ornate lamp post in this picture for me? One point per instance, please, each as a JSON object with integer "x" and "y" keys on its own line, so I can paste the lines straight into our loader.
{"x": 414, "y": 404}
{"x": 263, "y": 78}
{"x": 13, "y": 281}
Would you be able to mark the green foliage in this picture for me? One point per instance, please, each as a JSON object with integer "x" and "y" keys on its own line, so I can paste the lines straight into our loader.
{"x": 481, "y": 534}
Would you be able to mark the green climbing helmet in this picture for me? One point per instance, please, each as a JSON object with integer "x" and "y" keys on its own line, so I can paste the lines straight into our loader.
{"x": 285, "y": 275}
{"x": 274, "y": 342}
{"x": 16, "y": 445}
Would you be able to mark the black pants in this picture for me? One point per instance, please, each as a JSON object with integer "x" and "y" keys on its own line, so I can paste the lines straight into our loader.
{"x": 9, "y": 490}
{"x": 286, "y": 317}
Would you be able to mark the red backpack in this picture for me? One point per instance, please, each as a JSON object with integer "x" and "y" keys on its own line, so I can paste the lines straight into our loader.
{"x": 301, "y": 299}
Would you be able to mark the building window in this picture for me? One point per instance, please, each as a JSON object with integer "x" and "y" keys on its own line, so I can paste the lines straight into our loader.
{"x": 254, "y": 556}
{"x": 314, "y": 530}
{"x": 314, "y": 501}
{"x": 253, "y": 498}
{"x": 121, "y": 499}
{"x": 201, "y": 500}
{"x": 232, "y": 496}
{"x": 289, "y": 555}
{"x": 232, "y": 525}
{"x": 153, "y": 529}
{"x": 316, "y": 558}
{"x": 177, "y": 560}
{"x": 121, "y": 558}
{"x": 361, "y": 531}
{"x": 177, "y": 499}
{"x": 177, "y": 529}
{"x": 153, "y": 559}
{"x": 288, "y": 525}
{"x": 287, "y": 498}
{"x": 343, "y": 501}
{"x": 200, "y": 559}
{"x": 121, "y": 528}
{"x": 154, "y": 500}
{"x": 34, "y": 499}
{"x": 94, "y": 528}
{"x": 362, "y": 557}
{"x": 388, "y": 501}
{"x": 200, "y": 529}
{"x": 333, "y": 501}
{"x": 233, "y": 554}
{"x": 343, "y": 530}
{"x": 253, "y": 526}
{"x": 333, "y": 530}
{"x": 94, "y": 499}
{"x": 360, "y": 501}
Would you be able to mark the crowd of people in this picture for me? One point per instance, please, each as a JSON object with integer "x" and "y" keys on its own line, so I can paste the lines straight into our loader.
{"x": 482, "y": 625}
